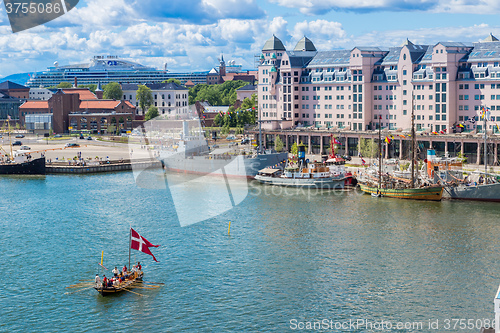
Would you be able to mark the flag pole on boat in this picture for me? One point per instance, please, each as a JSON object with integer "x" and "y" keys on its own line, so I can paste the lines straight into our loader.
{"x": 129, "y": 245}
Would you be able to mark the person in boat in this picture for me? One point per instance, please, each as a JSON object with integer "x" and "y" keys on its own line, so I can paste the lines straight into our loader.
{"x": 115, "y": 271}
{"x": 139, "y": 267}
{"x": 124, "y": 270}
{"x": 116, "y": 283}
{"x": 104, "y": 281}
{"x": 97, "y": 280}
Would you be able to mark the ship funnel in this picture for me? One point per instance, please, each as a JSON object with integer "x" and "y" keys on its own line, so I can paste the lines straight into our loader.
{"x": 185, "y": 129}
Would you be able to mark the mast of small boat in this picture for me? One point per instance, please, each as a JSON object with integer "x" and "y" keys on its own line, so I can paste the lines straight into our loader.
{"x": 413, "y": 141}
{"x": 485, "y": 146}
{"x": 10, "y": 142}
{"x": 129, "y": 246}
{"x": 379, "y": 154}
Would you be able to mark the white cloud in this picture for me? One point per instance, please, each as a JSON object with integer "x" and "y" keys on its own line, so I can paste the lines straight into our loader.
{"x": 324, "y": 34}
{"x": 312, "y": 7}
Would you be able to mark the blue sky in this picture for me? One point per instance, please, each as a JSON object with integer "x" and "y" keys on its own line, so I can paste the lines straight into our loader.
{"x": 190, "y": 35}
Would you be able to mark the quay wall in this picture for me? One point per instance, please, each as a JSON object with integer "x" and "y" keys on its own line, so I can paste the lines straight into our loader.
{"x": 113, "y": 166}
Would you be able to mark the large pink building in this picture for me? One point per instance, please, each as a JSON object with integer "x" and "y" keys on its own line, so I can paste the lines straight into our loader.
{"x": 349, "y": 89}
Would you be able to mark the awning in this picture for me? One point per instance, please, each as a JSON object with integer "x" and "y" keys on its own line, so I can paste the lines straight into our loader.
{"x": 269, "y": 171}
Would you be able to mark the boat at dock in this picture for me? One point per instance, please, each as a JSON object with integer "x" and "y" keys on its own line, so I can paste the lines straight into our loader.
{"x": 314, "y": 175}
{"x": 476, "y": 186}
{"x": 23, "y": 167}
{"x": 387, "y": 185}
{"x": 192, "y": 155}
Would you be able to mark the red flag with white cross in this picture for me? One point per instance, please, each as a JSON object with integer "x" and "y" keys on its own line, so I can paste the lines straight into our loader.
{"x": 139, "y": 243}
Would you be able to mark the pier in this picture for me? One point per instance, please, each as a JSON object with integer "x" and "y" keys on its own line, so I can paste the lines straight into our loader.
{"x": 96, "y": 167}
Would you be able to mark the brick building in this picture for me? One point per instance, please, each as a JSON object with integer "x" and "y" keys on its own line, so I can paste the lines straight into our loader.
{"x": 80, "y": 109}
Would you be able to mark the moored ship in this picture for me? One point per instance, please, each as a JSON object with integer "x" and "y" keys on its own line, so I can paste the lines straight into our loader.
{"x": 192, "y": 155}
{"x": 393, "y": 187}
{"x": 27, "y": 167}
{"x": 315, "y": 175}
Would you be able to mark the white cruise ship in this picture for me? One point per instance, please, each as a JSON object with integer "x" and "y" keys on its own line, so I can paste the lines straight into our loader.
{"x": 106, "y": 69}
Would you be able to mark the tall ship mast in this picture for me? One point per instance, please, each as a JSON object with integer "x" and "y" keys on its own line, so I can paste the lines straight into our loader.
{"x": 394, "y": 187}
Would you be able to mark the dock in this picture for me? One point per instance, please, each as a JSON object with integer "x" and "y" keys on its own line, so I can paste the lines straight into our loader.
{"x": 99, "y": 167}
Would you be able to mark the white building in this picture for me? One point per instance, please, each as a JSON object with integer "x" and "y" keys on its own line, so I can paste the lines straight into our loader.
{"x": 169, "y": 98}
{"x": 43, "y": 94}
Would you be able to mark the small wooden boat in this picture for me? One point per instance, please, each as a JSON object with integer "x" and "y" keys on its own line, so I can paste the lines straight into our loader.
{"x": 130, "y": 280}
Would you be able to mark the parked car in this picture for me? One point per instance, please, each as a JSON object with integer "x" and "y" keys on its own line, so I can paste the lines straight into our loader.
{"x": 17, "y": 143}
{"x": 58, "y": 136}
{"x": 25, "y": 148}
{"x": 71, "y": 145}
{"x": 89, "y": 138}
{"x": 19, "y": 136}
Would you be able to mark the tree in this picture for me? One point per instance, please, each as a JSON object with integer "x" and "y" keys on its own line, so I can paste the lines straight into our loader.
{"x": 145, "y": 97}
{"x": 152, "y": 113}
{"x": 91, "y": 87}
{"x": 111, "y": 129}
{"x": 64, "y": 85}
{"x": 113, "y": 90}
{"x": 295, "y": 149}
{"x": 368, "y": 147}
{"x": 173, "y": 80}
{"x": 278, "y": 144}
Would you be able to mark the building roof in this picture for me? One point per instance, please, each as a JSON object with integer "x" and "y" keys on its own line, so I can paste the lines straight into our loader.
{"x": 7, "y": 85}
{"x": 484, "y": 51}
{"x": 7, "y": 98}
{"x": 129, "y": 104}
{"x": 273, "y": 44}
{"x": 216, "y": 109}
{"x": 99, "y": 104}
{"x": 248, "y": 87}
{"x": 331, "y": 58}
{"x": 305, "y": 44}
{"x": 83, "y": 92}
{"x": 490, "y": 38}
{"x": 154, "y": 86}
{"x": 35, "y": 105}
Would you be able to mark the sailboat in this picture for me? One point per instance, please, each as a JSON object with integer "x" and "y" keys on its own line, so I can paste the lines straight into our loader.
{"x": 388, "y": 186}
{"x": 488, "y": 188}
{"x": 128, "y": 278}
{"x": 20, "y": 163}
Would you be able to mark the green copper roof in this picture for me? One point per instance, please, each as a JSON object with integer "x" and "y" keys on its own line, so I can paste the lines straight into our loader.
{"x": 273, "y": 44}
{"x": 305, "y": 44}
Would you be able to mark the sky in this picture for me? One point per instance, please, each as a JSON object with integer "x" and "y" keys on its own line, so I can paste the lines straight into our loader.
{"x": 190, "y": 35}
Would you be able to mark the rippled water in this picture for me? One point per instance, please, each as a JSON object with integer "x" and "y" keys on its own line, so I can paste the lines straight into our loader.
{"x": 291, "y": 255}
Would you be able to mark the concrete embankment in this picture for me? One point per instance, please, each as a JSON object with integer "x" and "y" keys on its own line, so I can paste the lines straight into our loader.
{"x": 112, "y": 166}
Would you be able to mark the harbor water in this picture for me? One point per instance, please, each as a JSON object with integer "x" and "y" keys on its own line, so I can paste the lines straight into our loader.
{"x": 294, "y": 259}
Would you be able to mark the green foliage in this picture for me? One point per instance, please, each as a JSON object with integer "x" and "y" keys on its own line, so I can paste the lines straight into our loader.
{"x": 174, "y": 81}
{"x": 368, "y": 147}
{"x": 405, "y": 166}
{"x": 278, "y": 144}
{"x": 295, "y": 149}
{"x": 152, "y": 113}
{"x": 216, "y": 94}
{"x": 462, "y": 157}
{"x": 64, "y": 85}
{"x": 239, "y": 130}
{"x": 145, "y": 97}
{"x": 91, "y": 87}
{"x": 111, "y": 129}
{"x": 113, "y": 90}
